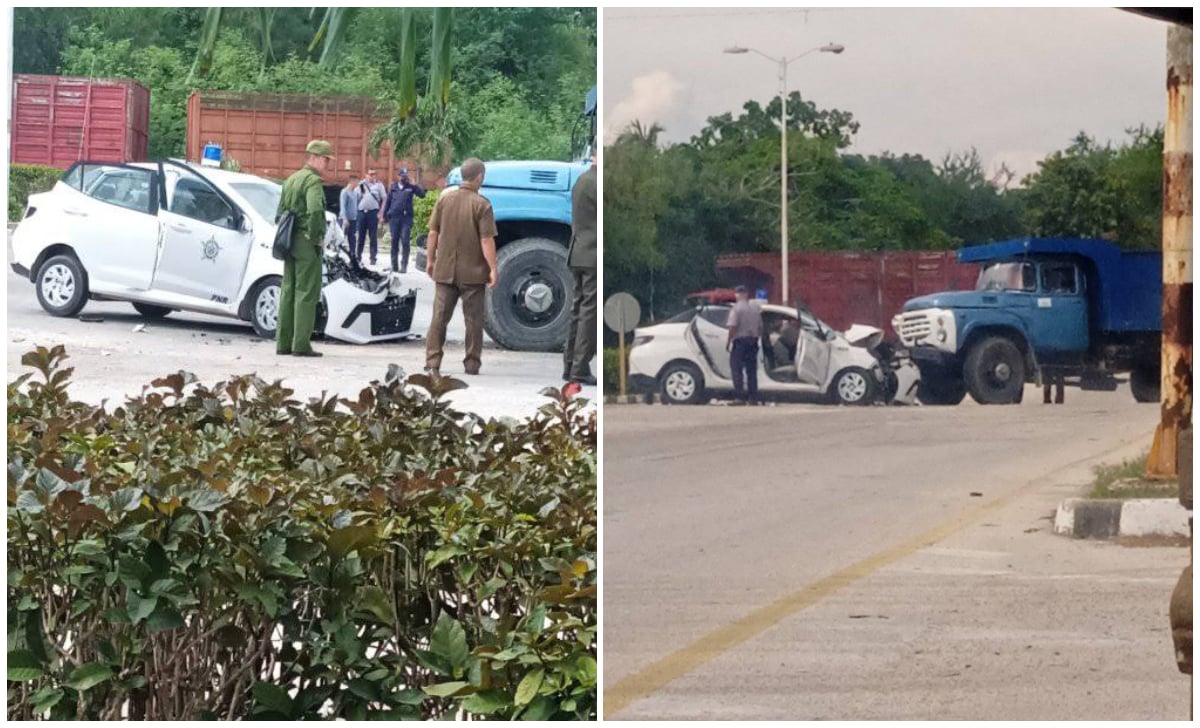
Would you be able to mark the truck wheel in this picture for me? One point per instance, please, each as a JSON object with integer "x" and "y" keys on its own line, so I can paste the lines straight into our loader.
{"x": 150, "y": 311}
{"x": 853, "y": 386}
{"x": 940, "y": 390}
{"x": 1146, "y": 384}
{"x": 681, "y": 383}
{"x": 62, "y": 286}
{"x": 529, "y": 308}
{"x": 995, "y": 371}
{"x": 264, "y": 307}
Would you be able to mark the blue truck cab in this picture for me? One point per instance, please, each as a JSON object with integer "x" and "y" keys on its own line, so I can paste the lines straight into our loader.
{"x": 529, "y": 310}
{"x": 1042, "y": 308}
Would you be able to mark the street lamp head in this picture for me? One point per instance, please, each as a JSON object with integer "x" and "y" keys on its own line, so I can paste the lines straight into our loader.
{"x": 833, "y": 48}
{"x": 736, "y": 50}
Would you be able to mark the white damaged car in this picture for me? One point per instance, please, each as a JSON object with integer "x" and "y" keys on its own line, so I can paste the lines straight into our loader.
{"x": 172, "y": 236}
{"x": 684, "y": 359}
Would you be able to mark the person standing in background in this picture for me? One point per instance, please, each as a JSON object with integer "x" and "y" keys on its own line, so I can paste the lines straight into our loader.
{"x": 300, "y": 291}
{"x": 370, "y": 207}
{"x": 348, "y": 215}
{"x": 398, "y": 211}
{"x": 461, "y": 261}
{"x": 745, "y": 329}
{"x": 580, "y": 346}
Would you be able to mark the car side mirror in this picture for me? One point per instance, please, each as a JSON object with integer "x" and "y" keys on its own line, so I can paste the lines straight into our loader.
{"x": 245, "y": 225}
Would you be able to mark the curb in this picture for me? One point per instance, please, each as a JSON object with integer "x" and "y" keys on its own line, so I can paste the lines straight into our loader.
{"x": 1112, "y": 519}
{"x": 650, "y": 398}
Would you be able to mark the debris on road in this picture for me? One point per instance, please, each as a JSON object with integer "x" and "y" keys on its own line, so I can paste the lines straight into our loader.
{"x": 976, "y": 494}
{"x": 139, "y": 328}
{"x": 91, "y": 318}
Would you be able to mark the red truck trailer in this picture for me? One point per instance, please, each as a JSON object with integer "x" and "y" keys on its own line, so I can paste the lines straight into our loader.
{"x": 60, "y": 120}
{"x": 852, "y": 288}
{"x": 267, "y": 133}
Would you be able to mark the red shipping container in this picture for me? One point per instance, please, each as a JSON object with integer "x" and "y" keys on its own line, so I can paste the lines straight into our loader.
{"x": 853, "y": 288}
{"x": 60, "y": 120}
{"x": 266, "y": 133}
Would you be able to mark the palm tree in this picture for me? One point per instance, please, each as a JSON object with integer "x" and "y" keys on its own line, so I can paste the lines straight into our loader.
{"x": 638, "y": 132}
{"x": 329, "y": 36}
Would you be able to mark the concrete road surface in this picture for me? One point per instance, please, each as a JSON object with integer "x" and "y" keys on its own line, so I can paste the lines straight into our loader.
{"x": 817, "y": 562}
{"x": 111, "y": 360}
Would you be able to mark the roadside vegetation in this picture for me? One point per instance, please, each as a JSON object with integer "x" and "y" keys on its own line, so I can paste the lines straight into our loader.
{"x": 228, "y": 552}
{"x": 1127, "y": 479}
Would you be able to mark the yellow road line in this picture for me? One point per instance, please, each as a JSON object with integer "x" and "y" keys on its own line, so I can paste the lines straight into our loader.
{"x": 659, "y": 674}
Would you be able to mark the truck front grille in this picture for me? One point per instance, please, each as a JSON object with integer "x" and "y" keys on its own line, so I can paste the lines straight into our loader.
{"x": 914, "y": 327}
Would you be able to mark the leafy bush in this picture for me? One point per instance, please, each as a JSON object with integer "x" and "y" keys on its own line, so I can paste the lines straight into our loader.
{"x": 612, "y": 374}
{"x": 25, "y": 180}
{"x": 422, "y": 209}
{"x": 232, "y": 553}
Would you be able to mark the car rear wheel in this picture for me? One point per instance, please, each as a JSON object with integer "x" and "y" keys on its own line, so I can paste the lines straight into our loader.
{"x": 681, "y": 383}
{"x": 150, "y": 311}
{"x": 264, "y": 307}
{"x": 62, "y": 287}
{"x": 853, "y": 386}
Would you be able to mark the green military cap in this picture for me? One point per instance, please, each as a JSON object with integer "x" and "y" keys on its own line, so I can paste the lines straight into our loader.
{"x": 319, "y": 147}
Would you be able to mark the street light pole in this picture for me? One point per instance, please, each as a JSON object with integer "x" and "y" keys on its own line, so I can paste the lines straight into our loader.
{"x": 783, "y": 62}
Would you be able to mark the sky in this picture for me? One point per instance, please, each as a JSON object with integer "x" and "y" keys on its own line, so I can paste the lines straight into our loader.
{"x": 1015, "y": 84}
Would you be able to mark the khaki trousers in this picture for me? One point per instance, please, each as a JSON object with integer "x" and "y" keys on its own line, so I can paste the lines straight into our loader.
{"x": 444, "y": 300}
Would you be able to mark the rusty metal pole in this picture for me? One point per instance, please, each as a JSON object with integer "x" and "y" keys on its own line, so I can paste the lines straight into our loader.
{"x": 1177, "y": 257}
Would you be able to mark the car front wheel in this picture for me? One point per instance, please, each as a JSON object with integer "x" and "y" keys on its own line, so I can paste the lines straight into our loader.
{"x": 264, "y": 307}
{"x": 853, "y": 386}
{"x": 62, "y": 287}
{"x": 681, "y": 383}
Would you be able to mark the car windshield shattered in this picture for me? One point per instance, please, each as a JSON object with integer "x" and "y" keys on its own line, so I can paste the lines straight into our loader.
{"x": 262, "y": 196}
{"x": 1007, "y": 277}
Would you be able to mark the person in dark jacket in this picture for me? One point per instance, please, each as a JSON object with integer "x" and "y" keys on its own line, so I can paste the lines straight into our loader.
{"x": 580, "y": 346}
{"x": 398, "y": 211}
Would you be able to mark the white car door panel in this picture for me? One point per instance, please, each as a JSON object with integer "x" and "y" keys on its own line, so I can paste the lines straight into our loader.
{"x": 110, "y": 220}
{"x": 204, "y": 250}
{"x": 711, "y": 340}
{"x": 812, "y": 358}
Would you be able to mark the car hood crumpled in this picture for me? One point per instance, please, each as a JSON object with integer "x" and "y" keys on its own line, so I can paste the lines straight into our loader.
{"x": 863, "y": 335}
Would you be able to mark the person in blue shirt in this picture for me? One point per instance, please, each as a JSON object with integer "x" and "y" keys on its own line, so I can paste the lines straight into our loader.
{"x": 348, "y": 212}
{"x": 398, "y": 211}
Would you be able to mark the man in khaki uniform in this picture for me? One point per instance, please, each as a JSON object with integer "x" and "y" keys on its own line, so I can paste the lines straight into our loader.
{"x": 300, "y": 291}
{"x": 461, "y": 260}
{"x": 581, "y": 259}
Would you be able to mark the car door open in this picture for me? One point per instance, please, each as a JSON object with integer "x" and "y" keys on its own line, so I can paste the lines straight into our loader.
{"x": 711, "y": 339}
{"x": 812, "y": 355}
{"x": 206, "y": 239}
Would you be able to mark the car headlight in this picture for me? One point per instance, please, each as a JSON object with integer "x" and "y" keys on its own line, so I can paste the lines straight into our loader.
{"x": 639, "y": 340}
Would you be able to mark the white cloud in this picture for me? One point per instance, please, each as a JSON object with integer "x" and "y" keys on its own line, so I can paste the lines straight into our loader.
{"x": 652, "y": 98}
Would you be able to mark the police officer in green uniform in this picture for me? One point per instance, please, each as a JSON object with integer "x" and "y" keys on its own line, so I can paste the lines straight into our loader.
{"x": 581, "y": 258}
{"x": 303, "y": 194}
{"x": 461, "y": 259}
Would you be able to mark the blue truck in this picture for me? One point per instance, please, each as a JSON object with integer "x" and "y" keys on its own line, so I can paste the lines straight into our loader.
{"x": 529, "y": 309}
{"x": 1042, "y": 309}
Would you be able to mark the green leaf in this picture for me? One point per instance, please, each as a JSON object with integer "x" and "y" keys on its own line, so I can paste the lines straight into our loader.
{"x": 586, "y": 664}
{"x": 273, "y": 698}
{"x": 373, "y": 600}
{"x": 351, "y": 538}
{"x": 442, "y": 555}
{"x": 164, "y": 618}
{"x": 542, "y": 708}
{"x": 486, "y": 702}
{"x": 139, "y": 607}
{"x": 206, "y": 499}
{"x": 408, "y": 696}
{"x": 23, "y": 666}
{"x": 89, "y": 676}
{"x": 28, "y": 502}
{"x": 446, "y": 690}
{"x": 529, "y": 686}
{"x": 449, "y": 641}
{"x": 45, "y": 699}
{"x": 365, "y": 689}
